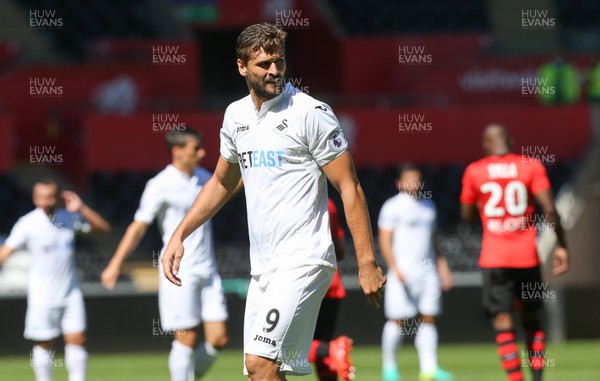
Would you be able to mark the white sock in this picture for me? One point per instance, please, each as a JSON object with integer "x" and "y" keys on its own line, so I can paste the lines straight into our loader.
{"x": 41, "y": 361}
{"x": 426, "y": 343}
{"x": 205, "y": 357}
{"x": 76, "y": 362}
{"x": 180, "y": 361}
{"x": 391, "y": 339}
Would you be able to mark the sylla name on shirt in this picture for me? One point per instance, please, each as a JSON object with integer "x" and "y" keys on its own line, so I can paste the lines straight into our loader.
{"x": 260, "y": 158}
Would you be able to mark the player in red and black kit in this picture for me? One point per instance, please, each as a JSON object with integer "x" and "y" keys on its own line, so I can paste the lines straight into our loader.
{"x": 503, "y": 187}
{"x": 332, "y": 357}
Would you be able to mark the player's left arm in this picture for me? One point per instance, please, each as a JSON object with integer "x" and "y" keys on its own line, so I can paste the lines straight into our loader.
{"x": 442, "y": 265}
{"x": 74, "y": 204}
{"x": 342, "y": 176}
{"x": 561, "y": 254}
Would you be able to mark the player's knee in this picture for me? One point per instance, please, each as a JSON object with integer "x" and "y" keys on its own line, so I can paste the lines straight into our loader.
{"x": 428, "y": 319}
{"x": 45, "y": 344}
{"x": 260, "y": 368}
{"x": 75, "y": 338}
{"x": 218, "y": 342}
{"x": 502, "y": 321}
{"x": 187, "y": 337}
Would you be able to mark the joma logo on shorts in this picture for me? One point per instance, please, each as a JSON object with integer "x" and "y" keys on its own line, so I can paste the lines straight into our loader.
{"x": 265, "y": 340}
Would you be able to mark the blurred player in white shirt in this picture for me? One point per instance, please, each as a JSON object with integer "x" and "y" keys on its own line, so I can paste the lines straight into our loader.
{"x": 285, "y": 145}
{"x": 167, "y": 198}
{"x": 54, "y": 301}
{"x": 416, "y": 275}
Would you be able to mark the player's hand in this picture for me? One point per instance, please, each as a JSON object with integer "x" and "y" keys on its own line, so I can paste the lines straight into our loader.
{"x": 72, "y": 201}
{"x": 371, "y": 280}
{"x": 172, "y": 259}
{"x": 561, "y": 260}
{"x": 109, "y": 276}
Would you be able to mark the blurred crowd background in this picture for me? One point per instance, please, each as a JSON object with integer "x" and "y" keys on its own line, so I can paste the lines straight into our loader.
{"x": 89, "y": 89}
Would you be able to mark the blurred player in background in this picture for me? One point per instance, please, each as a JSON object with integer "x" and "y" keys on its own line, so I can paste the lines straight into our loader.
{"x": 332, "y": 357}
{"x": 503, "y": 186}
{"x": 417, "y": 273}
{"x": 201, "y": 301}
{"x": 54, "y": 301}
{"x": 285, "y": 145}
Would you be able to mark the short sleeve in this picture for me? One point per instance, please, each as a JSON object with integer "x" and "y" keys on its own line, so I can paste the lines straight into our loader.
{"x": 386, "y": 219}
{"x": 539, "y": 178}
{"x": 324, "y": 135}
{"x": 18, "y": 235}
{"x": 150, "y": 203}
{"x": 468, "y": 193}
{"x": 228, "y": 149}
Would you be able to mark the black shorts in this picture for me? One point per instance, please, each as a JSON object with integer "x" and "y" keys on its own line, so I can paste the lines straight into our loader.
{"x": 326, "y": 320}
{"x": 503, "y": 287}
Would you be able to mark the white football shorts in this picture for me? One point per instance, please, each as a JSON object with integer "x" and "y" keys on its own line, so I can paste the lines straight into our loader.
{"x": 281, "y": 314}
{"x": 199, "y": 299}
{"x": 44, "y": 321}
{"x": 419, "y": 295}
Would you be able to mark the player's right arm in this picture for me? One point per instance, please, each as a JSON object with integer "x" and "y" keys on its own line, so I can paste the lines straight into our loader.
{"x": 385, "y": 246}
{"x": 133, "y": 235}
{"x": 468, "y": 197}
{"x": 5, "y": 252}
{"x": 17, "y": 238}
{"x": 211, "y": 198}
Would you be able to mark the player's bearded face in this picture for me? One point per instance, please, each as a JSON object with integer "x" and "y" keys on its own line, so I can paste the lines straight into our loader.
{"x": 264, "y": 74}
{"x": 45, "y": 196}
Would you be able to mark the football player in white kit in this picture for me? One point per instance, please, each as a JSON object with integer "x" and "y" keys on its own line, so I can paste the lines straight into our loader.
{"x": 54, "y": 301}
{"x": 285, "y": 145}
{"x": 416, "y": 275}
{"x": 167, "y": 197}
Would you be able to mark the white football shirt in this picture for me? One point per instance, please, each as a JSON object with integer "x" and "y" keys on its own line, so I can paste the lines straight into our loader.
{"x": 412, "y": 222}
{"x": 51, "y": 240}
{"x": 280, "y": 151}
{"x": 167, "y": 197}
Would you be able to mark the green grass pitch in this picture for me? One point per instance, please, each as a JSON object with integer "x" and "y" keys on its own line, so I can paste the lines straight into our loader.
{"x": 573, "y": 361}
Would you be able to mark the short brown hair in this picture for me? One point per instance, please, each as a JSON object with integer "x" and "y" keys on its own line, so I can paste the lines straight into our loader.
{"x": 177, "y": 138}
{"x": 266, "y": 36}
